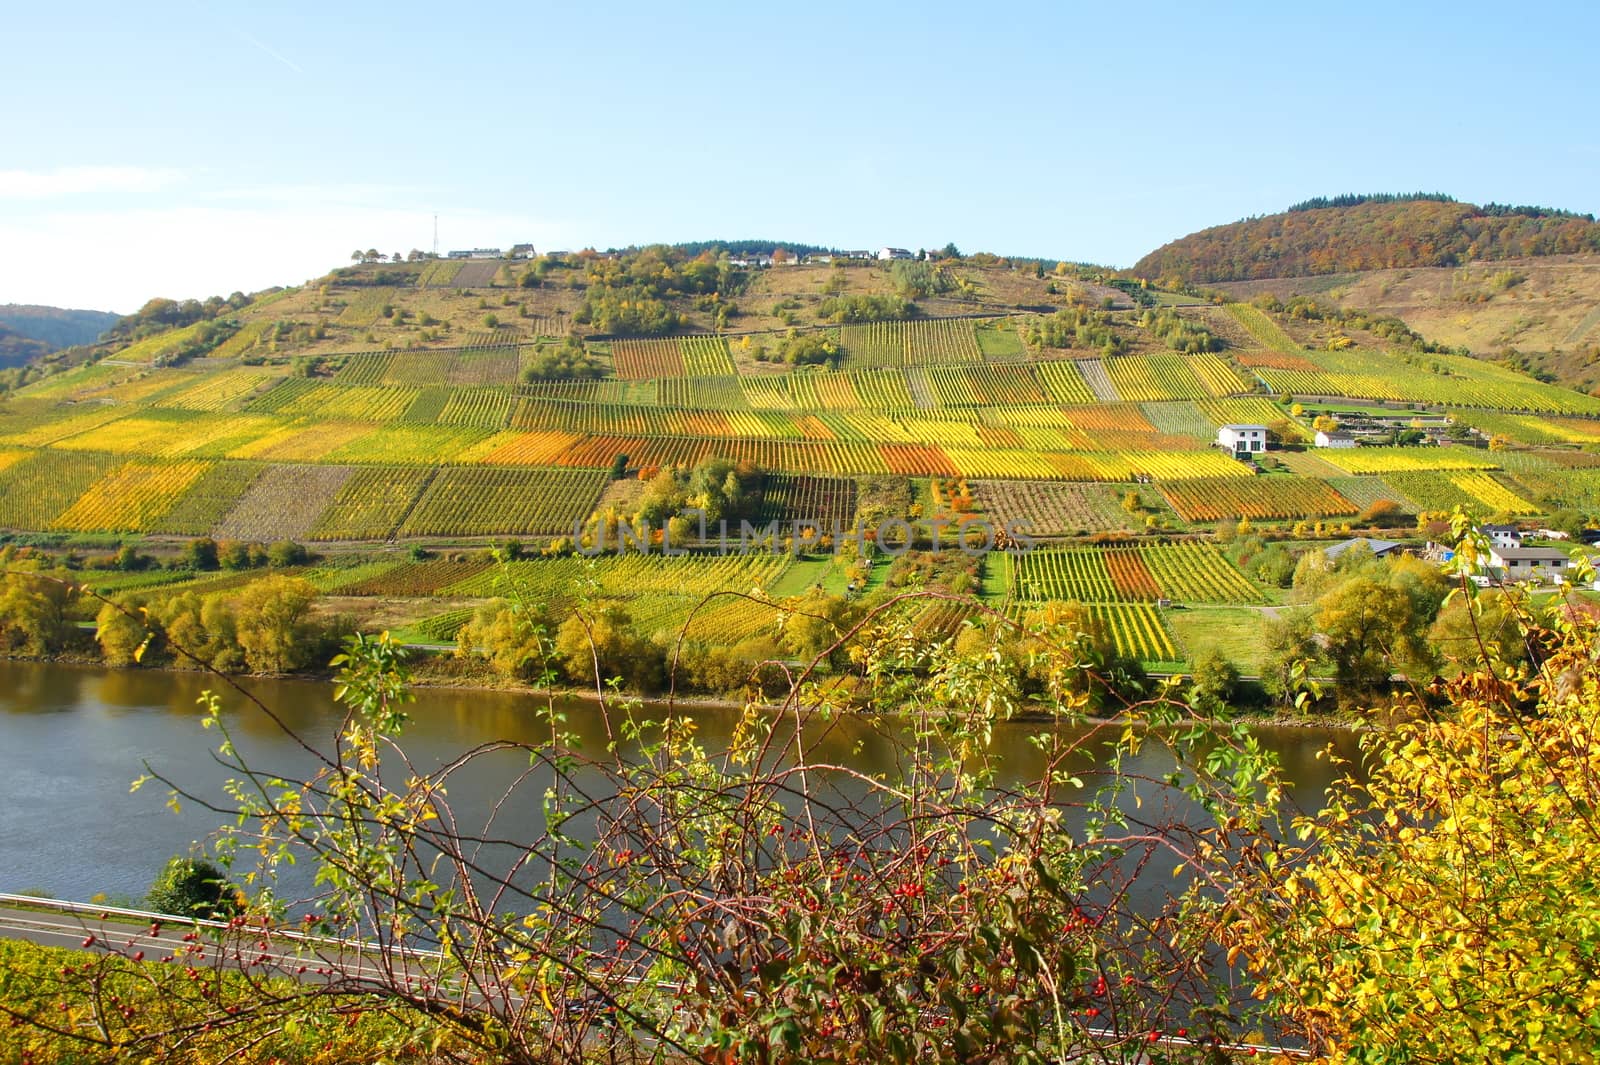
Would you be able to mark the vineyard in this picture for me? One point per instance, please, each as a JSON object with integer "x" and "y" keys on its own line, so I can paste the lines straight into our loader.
{"x": 914, "y": 343}
{"x": 1218, "y": 499}
{"x": 1261, "y": 328}
{"x": 1474, "y": 491}
{"x": 823, "y": 501}
{"x": 1399, "y": 459}
{"x": 371, "y": 503}
{"x": 1183, "y": 572}
{"x": 130, "y": 498}
{"x": 644, "y": 359}
{"x": 35, "y": 489}
{"x": 465, "y": 501}
{"x": 283, "y": 503}
{"x": 1451, "y": 380}
{"x": 1054, "y": 508}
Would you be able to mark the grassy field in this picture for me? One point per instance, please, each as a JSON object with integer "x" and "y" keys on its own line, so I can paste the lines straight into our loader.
{"x": 1234, "y": 632}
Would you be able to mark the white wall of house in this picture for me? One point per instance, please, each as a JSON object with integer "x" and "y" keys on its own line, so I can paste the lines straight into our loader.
{"x": 1243, "y": 439}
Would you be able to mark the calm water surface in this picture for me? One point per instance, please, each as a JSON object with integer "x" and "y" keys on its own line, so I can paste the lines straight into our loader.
{"x": 73, "y": 738}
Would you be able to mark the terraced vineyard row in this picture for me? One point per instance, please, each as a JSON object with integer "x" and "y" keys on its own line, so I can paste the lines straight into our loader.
{"x": 1400, "y": 459}
{"x": 1433, "y": 378}
{"x": 1475, "y": 491}
{"x": 1259, "y": 497}
{"x": 132, "y": 497}
{"x": 622, "y": 576}
{"x": 925, "y": 342}
{"x": 1187, "y": 572}
{"x": 371, "y": 503}
{"x": 1265, "y": 331}
{"x": 1138, "y": 630}
{"x": 643, "y": 359}
{"x": 826, "y": 501}
{"x": 1053, "y": 508}
{"x": 463, "y": 501}
{"x": 1148, "y": 378}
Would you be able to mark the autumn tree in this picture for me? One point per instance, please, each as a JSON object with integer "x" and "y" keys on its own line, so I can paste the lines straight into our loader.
{"x": 1445, "y": 906}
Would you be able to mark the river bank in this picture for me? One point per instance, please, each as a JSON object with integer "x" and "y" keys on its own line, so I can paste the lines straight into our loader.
{"x": 429, "y": 673}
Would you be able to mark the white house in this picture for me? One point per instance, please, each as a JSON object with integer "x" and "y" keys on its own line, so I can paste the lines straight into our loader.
{"x": 1503, "y": 535}
{"x": 477, "y": 253}
{"x": 523, "y": 251}
{"x": 1241, "y": 440}
{"x": 886, "y": 254}
{"x": 1524, "y": 563}
{"x": 1335, "y": 438}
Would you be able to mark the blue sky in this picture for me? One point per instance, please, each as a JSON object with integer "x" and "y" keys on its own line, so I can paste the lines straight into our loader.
{"x": 188, "y": 149}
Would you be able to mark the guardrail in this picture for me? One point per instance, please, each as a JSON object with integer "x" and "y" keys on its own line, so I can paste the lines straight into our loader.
{"x": 1161, "y": 1041}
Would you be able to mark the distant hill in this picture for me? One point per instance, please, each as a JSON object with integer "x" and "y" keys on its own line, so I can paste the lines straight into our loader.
{"x": 16, "y": 349}
{"x": 1347, "y": 234}
{"x": 56, "y": 327}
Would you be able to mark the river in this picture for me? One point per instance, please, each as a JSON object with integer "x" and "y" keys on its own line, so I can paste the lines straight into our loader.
{"x": 72, "y": 738}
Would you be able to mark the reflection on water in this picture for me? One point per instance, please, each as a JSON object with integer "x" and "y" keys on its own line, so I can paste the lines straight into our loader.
{"x": 72, "y": 738}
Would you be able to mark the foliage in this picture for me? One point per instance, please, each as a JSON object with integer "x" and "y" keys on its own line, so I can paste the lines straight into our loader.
{"x": 1077, "y": 327}
{"x": 864, "y": 308}
{"x": 918, "y": 280}
{"x": 1444, "y": 906}
{"x": 676, "y": 902}
{"x": 566, "y": 360}
{"x": 33, "y": 613}
{"x": 193, "y": 887}
{"x": 1180, "y": 333}
{"x": 1366, "y": 235}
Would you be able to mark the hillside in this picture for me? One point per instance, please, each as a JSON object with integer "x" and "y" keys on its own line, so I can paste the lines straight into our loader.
{"x": 1542, "y": 313}
{"x": 1367, "y": 234}
{"x": 16, "y": 349}
{"x": 56, "y": 327}
{"x": 399, "y": 417}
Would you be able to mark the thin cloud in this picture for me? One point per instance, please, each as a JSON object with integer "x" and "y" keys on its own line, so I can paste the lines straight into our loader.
{"x": 83, "y": 181}
{"x": 269, "y": 50}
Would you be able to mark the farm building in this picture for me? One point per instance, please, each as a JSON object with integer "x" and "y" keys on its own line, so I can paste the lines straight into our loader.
{"x": 1379, "y": 548}
{"x": 1241, "y": 440}
{"x": 886, "y": 254}
{"x": 1503, "y": 535}
{"x": 1335, "y": 438}
{"x": 1523, "y": 563}
{"x": 476, "y": 253}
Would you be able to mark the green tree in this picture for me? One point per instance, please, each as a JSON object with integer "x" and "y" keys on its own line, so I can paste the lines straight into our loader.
{"x": 1214, "y": 684}
{"x": 193, "y": 887}
{"x": 1288, "y": 647}
{"x": 200, "y": 554}
{"x": 517, "y": 639}
{"x": 1444, "y": 907}
{"x": 124, "y": 631}
{"x": 274, "y": 627}
{"x": 33, "y": 614}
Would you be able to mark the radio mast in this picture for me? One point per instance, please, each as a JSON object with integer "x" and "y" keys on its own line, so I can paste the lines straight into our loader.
{"x": 435, "y": 236}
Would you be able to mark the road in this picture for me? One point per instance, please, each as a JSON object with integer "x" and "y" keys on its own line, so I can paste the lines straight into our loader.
{"x": 148, "y": 937}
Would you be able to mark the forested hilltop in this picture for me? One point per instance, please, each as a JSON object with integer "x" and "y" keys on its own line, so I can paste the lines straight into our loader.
{"x": 1354, "y": 233}
{"x": 55, "y": 327}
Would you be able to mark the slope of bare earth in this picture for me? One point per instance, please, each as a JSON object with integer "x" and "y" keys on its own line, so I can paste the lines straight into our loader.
{"x": 1545, "y": 308}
